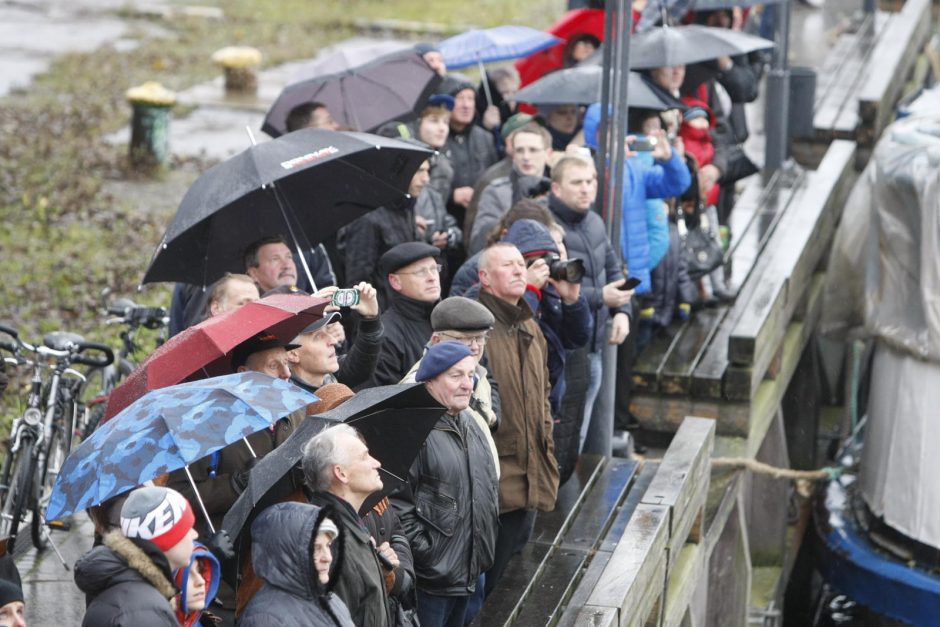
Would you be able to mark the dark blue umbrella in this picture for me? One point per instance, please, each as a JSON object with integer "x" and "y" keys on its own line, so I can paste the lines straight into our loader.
{"x": 166, "y": 430}
{"x": 499, "y": 43}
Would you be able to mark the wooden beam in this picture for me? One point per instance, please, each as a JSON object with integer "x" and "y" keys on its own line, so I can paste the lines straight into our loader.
{"x": 635, "y": 576}
{"x": 681, "y": 483}
{"x": 892, "y": 61}
{"x": 687, "y": 570}
{"x": 793, "y": 253}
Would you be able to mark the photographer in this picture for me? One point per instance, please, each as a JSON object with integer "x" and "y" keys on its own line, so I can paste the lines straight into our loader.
{"x": 315, "y": 362}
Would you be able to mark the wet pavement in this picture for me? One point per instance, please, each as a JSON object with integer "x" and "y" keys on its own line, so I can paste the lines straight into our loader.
{"x": 32, "y": 33}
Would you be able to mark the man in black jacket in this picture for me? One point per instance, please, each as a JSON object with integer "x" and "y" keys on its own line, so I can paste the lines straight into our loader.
{"x": 413, "y": 277}
{"x": 374, "y": 234}
{"x": 341, "y": 473}
{"x": 450, "y": 510}
{"x": 574, "y": 187}
{"x": 470, "y": 148}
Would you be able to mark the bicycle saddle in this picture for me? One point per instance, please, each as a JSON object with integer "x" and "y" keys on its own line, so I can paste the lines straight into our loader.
{"x": 60, "y": 340}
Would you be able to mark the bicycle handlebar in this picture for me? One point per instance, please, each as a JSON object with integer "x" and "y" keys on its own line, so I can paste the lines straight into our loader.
{"x": 8, "y": 331}
{"x": 94, "y": 361}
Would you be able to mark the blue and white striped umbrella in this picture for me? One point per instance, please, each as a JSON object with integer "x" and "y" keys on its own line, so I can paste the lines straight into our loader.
{"x": 499, "y": 43}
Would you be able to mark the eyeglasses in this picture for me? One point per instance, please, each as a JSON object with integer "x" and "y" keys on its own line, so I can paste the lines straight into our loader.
{"x": 479, "y": 340}
{"x": 424, "y": 272}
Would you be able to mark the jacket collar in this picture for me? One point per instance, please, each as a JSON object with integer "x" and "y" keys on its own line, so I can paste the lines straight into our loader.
{"x": 411, "y": 308}
{"x": 563, "y": 211}
{"x": 505, "y": 312}
{"x": 145, "y": 558}
{"x": 352, "y": 523}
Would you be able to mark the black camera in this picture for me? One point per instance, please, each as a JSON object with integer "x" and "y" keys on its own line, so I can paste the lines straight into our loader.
{"x": 571, "y": 270}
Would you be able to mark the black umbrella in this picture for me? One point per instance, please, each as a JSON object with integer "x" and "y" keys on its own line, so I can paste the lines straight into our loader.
{"x": 393, "y": 87}
{"x": 394, "y": 420}
{"x": 582, "y": 85}
{"x": 681, "y": 45}
{"x": 305, "y": 185}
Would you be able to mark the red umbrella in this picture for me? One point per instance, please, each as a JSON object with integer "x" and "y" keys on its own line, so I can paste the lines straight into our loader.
{"x": 204, "y": 350}
{"x": 576, "y": 22}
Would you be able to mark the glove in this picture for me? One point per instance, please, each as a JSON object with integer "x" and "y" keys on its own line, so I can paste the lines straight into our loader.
{"x": 684, "y": 312}
{"x": 239, "y": 478}
{"x": 647, "y": 314}
{"x": 220, "y": 545}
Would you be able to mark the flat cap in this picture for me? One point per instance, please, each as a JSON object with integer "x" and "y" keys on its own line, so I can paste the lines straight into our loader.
{"x": 461, "y": 314}
{"x": 401, "y": 255}
{"x": 440, "y": 358}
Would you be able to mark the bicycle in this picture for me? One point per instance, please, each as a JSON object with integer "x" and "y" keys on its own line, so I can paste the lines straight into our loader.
{"x": 42, "y": 436}
{"x": 102, "y": 380}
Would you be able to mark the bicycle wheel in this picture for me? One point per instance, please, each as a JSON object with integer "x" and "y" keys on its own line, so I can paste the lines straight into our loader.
{"x": 18, "y": 492}
{"x": 54, "y": 454}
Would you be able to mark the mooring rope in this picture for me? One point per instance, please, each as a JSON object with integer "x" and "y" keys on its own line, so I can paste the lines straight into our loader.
{"x": 823, "y": 474}
{"x": 743, "y": 463}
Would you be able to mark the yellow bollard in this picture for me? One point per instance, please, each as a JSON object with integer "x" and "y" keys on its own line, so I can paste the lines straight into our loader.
{"x": 240, "y": 64}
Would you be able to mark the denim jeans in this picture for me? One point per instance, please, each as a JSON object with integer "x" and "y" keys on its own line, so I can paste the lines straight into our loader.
{"x": 596, "y": 361}
{"x": 439, "y": 611}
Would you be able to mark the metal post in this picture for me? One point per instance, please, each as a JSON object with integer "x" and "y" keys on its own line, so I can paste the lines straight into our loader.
{"x": 776, "y": 116}
{"x": 619, "y": 21}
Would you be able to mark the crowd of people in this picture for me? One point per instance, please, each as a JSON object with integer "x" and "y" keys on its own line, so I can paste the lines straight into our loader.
{"x": 496, "y": 287}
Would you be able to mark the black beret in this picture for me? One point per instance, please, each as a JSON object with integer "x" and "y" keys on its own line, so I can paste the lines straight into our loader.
{"x": 461, "y": 314}
{"x": 400, "y": 256}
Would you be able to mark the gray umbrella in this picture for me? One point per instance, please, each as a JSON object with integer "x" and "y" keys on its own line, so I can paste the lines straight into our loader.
{"x": 582, "y": 85}
{"x": 681, "y": 45}
{"x": 715, "y": 5}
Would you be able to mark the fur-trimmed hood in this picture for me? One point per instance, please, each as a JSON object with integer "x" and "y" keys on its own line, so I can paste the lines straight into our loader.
{"x": 121, "y": 560}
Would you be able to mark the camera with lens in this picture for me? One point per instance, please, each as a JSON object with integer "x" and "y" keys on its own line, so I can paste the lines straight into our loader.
{"x": 571, "y": 270}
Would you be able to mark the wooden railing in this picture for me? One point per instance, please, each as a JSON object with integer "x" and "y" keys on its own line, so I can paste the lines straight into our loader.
{"x": 659, "y": 559}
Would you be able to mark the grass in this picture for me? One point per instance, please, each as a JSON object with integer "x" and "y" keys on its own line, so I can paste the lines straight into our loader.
{"x": 64, "y": 233}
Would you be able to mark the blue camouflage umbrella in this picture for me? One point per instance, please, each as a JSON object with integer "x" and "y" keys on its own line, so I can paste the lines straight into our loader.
{"x": 166, "y": 430}
{"x": 499, "y": 43}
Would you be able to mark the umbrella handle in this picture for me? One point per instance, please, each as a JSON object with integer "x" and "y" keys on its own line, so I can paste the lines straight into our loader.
{"x": 202, "y": 505}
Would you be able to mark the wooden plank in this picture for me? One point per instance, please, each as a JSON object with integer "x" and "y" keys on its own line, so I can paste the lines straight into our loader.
{"x": 893, "y": 59}
{"x": 501, "y": 604}
{"x": 741, "y": 383}
{"x": 629, "y": 505}
{"x": 799, "y": 242}
{"x": 681, "y": 482}
{"x": 550, "y": 526}
{"x": 591, "y": 616}
{"x": 635, "y": 577}
{"x": 676, "y": 375}
{"x": 600, "y": 507}
{"x": 688, "y": 568}
{"x": 762, "y": 224}
{"x": 544, "y": 601}
{"x": 666, "y": 413}
{"x": 649, "y": 363}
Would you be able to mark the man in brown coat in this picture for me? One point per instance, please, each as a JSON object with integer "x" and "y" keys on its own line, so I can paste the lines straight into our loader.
{"x": 517, "y": 355}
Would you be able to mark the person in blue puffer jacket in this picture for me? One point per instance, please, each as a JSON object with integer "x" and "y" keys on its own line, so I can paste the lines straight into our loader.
{"x": 666, "y": 177}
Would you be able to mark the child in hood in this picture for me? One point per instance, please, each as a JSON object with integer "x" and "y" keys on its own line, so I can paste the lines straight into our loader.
{"x": 198, "y": 584}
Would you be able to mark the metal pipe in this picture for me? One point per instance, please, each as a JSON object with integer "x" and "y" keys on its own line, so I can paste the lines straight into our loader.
{"x": 777, "y": 112}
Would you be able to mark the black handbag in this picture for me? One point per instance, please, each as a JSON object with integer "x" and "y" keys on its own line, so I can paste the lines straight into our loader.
{"x": 702, "y": 250}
